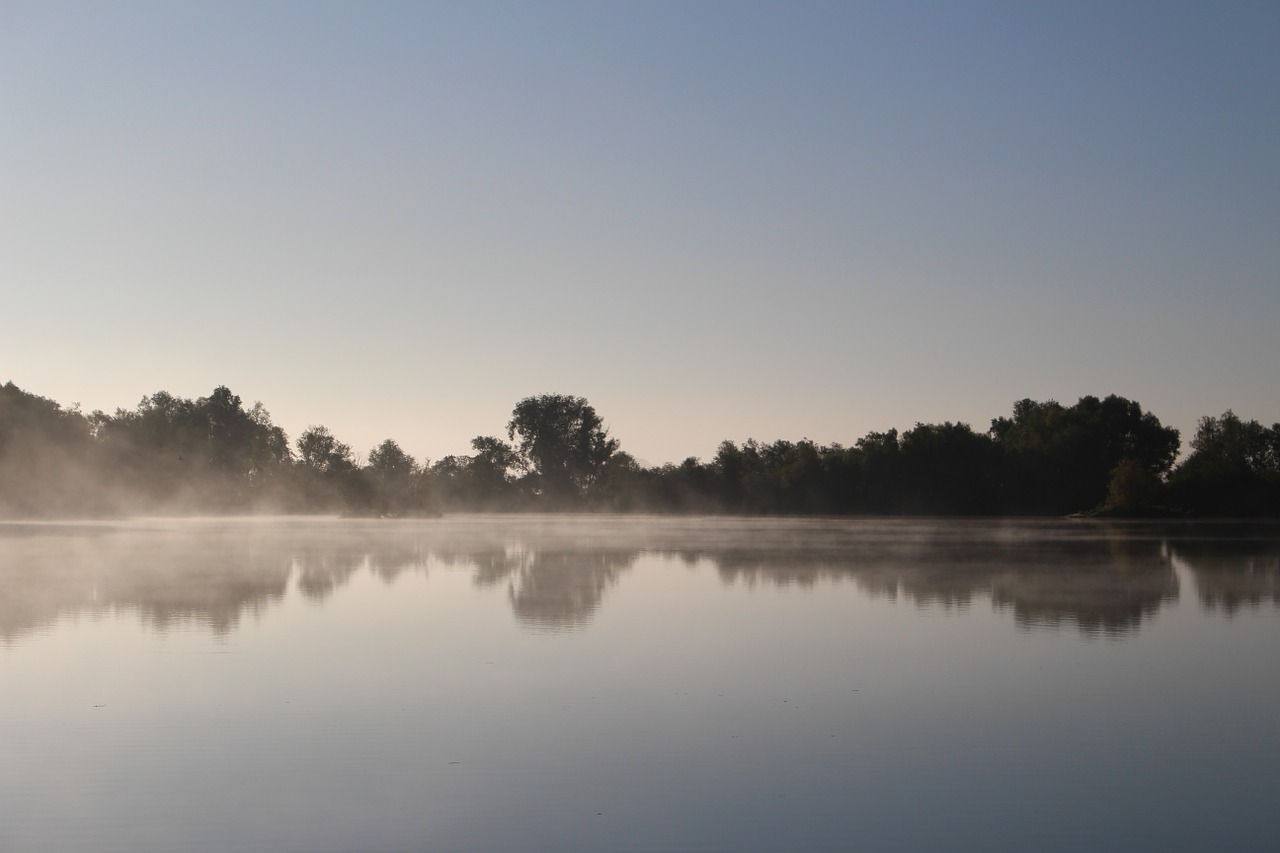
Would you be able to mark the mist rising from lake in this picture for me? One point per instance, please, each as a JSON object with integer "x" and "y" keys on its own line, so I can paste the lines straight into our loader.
{"x": 559, "y": 682}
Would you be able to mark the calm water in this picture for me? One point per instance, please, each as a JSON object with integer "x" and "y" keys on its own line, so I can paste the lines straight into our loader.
{"x": 529, "y": 683}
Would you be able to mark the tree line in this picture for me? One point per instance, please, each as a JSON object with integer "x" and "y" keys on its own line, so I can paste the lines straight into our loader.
{"x": 173, "y": 455}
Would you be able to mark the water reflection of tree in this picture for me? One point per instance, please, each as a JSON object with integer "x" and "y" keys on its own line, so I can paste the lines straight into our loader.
{"x": 212, "y": 575}
{"x": 1238, "y": 568}
{"x": 1105, "y": 583}
{"x": 319, "y": 573}
{"x": 321, "y": 570}
{"x": 218, "y": 574}
{"x": 549, "y": 585}
{"x": 211, "y": 579}
{"x": 1097, "y": 578}
{"x": 554, "y": 588}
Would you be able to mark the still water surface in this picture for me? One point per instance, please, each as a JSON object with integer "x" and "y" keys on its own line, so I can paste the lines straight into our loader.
{"x": 593, "y": 683}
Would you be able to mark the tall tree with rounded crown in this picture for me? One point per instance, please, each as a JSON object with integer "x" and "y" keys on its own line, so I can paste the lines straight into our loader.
{"x": 563, "y": 442}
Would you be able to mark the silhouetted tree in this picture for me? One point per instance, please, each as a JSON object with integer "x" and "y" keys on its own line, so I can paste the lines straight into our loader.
{"x": 1059, "y": 459}
{"x": 391, "y": 463}
{"x": 948, "y": 469}
{"x": 321, "y": 451}
{"x": 484, "y": 481}
{"x": 880, "y": 472}
{"x": 329, "y": 478}
{"x": 493, "y": 470}
{"x": 1133, "y": 489}
{"x": 563, "y": 443}
{"x": 624, "y": 484}
{"x": 396, "y": 479}
{"x": 173, "y": 454}
{"x": 449, "y": 483}
{"x": 1233, "y": 469}
{"x": 46, "y": 457}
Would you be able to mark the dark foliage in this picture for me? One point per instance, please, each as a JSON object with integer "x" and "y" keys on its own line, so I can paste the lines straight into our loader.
{"x": 1059, "y": 459}
{"x": 563, "y": 444}
{"x": 175, "y": 455}
{"x": 47, "y": 458}
{"x": 1233, "y": 469}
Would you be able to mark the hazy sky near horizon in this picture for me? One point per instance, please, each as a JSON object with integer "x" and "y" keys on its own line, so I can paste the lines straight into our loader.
{"x": 713, "y": 220}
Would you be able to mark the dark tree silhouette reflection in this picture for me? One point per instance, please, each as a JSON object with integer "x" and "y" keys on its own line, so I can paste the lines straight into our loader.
{"x": 1100, "y": 578}
{"x": 1235, "y": 565}
{"x": 1098, "y": 581}
{"x": 209, "y": 577}
{"x": 562, "y": 588}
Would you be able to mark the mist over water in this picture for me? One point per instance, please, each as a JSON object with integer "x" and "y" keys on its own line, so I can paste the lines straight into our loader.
{"x": 564, "y": 682}
{"x": 556, "y": 570}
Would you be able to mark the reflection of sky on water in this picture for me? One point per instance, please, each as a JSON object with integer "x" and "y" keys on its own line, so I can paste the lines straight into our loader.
{"x": 1097, "y": 578}
{"x": 535, "y": 683}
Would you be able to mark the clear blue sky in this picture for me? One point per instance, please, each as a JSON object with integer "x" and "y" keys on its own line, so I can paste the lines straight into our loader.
{"x": 713, "y": 220}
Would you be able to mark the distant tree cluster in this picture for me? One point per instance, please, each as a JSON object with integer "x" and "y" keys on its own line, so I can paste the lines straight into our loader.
{"x": 1047, "y": 459}
{"x": 172, "y": 455}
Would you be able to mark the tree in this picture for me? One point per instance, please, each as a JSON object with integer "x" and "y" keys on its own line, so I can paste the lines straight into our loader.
{"x": 563, "y": 443}
{"x": 1231, "y": 443}
{"x": 732, "y": 466}
{"x": 1233, "y": 469}
{"x": 879, "y": 479}
{"x": 621, "y": 488}
{"x": 1133, "y": 488}
{"x": 391, "y": 463}
{"x": 228, "y": 431}
{"x": 496, "y": 456}
{"x": 210, "y": 454}
{"x": 947, "y": 469}
{"x": 46, "y": 457}
{"x": 396, "y": 478}
{"x": 270, "y": 444}
{"x": 492, "y": 469}
{"x": 1059, "y": 459}
{"x": 321, "y": 451}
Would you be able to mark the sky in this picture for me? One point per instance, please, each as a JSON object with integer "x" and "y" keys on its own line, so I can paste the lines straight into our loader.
{"x": 714, "y": 220}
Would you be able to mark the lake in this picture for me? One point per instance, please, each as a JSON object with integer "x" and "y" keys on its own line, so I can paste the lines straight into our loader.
{"x": 560, "y": 683}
